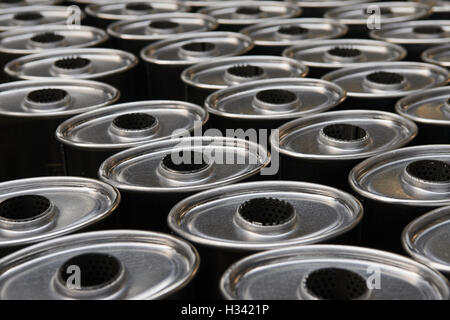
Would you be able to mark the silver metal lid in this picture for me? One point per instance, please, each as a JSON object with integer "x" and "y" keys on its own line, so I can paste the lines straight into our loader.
{"x": 332, "y": 272}
{"x": 85, "y": 63}
{"x": 184, "y": 164}
{"x": 162, "y": 25}
{"x": 288, "y": 32}
{"x": 131, "y": 9}
{"x": 193, "y": 48}
{"x": 283, "y": 98}
{"x": 390, "y": 12}
{"x": 427, "y": 32}
{"x": 343, "y": 135}
{"x": 130, "y": 124}
{"x": 26, "y": 40}
{"x": 54, "y": 97}
{"x": 426, "y": 239}
{"x": 224, "y": 72}
{"x": 12, "y": 18}
{"x": 251, "y": 12}
{"x": 389, "y": 79}
{"x": 38, "y": 209}
{"x": 23, "y": 3}
{"x": 414, "y": 176}
{"x": 340, "y": 53}
{"x": 438, "y": 55}
{"x": 429, "y": 106}
{"x": 265, "y": 215}
{"x": 437, "y": 5}
{"x": 327, "y": 3}
{"x": 115, "y": 264}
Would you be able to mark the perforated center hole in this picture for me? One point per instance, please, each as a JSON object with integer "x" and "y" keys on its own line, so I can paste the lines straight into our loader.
{"x": 47, "y": 37}
{"x": 138, "y": 6}
{"x": 70, "y": 63}
{"x": 276, "y": 96}
{"x": 24, "y": 207}
{"x": 383, "y": 77}
{"x": 134, "y": 121}
{"x": 266, "y": 211}
{"x": 47, "y": 95}
{"x": 164, "y": 24}
{"x": 344, "y": 52}
{"x": 246, "y": 71}
{"x": 199, "y": 46}
{"x": 428, "y": 30}
{"x": 292, "y": 30}
{"x": 336, "y": 284}
{"x": 344, "y": 132}
{"x": 96, "y": 270}
{"x": 28, "y": 16}
{"x": 248, "y": 10}
{"x": 430, "y": 170}
{"x": 186, "y": 162}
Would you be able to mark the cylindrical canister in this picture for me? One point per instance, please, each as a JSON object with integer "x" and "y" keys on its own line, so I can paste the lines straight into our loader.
{"x": 273, "y": 37}
{"x": 380, "y": 85}
{"x": 397, "y": 187}
{"x": 38, "y": 209}
{"x": 30, "y": 112}
{"x": 426, "y": 240}
{"x": 324, "y": 148}
{"x": 415, "y": 36}
{"x": 152, "y": 178}
{"x": 90, "y": 138}
{"x": 233, "y": 16}
{"x": 27, "y": 40}
{"x": 439, "y": 55}
{"x": 101, "y": 265}
{"x": 102, "y": 14}
{"x": 365, "y": 17}
{"x": 317, "y": 8}
{"x": 430, "y": 109}
{"x": 323, "y": 56}
{"x": 36, "y": 15}
{"x": 231, "y": 222}
{"x": 165, "y": 60}
{"x": 134, "y": 35}
{"x": 24, "y": 3}
{"x": 441, "y": 8}
{"x": 111, "y": 66}
{"x": 331, "y": 272}
{"x": 205, "y": 78}
{"x": 267, "y": 104}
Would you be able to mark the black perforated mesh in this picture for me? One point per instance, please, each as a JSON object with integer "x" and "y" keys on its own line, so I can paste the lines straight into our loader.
{"x": 335, "y": 284}
{"x": 248, "y": 10}
{"x": 24, "y": 207}
{"x": 70, "y": 63}
{"x": 292, "y": 30}
{"x": 266, "y": 211}
{"x": 47, "y": 95}
{"x": 28, "y": 16}
{"x": 383, "y": 77}
{"x": 428, "y": 30}
{"x": 138, "y": 6}
{"x": 47, "y": 37}
{"x": 430, "y": 170}
{"x": 246, "y": 71}
{"x": 96, "y": 269}
{"x": 191, "y": 165}
{"x": 134, "y": 121}
{"x": 344, "y": 132}
{"x": 344, "y": 52}
{"x": 163, "y": 24}
{"x": 276, "y": 96}
{"x": 199, "y": 46}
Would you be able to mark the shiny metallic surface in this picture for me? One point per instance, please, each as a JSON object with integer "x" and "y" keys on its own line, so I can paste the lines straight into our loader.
{"x": 11, "y": 18}
{"x": 426, "y": 239}
{"x": 317, "y": 54}
{"x": 307, "y": 150}
{"x": 274, "y": 36}
{"x": 286, "y": 272}
{"x": 430, "y": 109}
{"x": 76, "y": 203}
{"x": 91, "y": 137}
{"x": 242, "y": 103}
{"x": 439, "y": 55}
{"x": 167, "y": 265}
{"x": 233, "y": 16}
